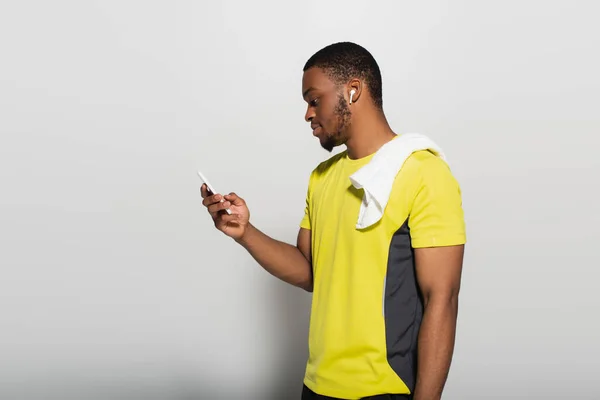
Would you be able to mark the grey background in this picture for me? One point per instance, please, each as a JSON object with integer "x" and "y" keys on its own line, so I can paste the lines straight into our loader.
{"x": 115, "y": 284}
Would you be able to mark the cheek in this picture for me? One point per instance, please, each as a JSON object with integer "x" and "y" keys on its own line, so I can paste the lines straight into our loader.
{"x": 327, "y": 118}
{"x": 326, "y": 123}
{"x": 332, "y": 123}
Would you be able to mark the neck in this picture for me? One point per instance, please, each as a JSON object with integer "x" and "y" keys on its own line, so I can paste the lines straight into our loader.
{"x": 367, "y": 135}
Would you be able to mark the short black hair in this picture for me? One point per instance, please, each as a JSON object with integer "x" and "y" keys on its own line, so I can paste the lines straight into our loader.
{"x": 346, "y": 60}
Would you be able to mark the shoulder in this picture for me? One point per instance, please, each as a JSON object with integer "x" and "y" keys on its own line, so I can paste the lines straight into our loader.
{"x": 425, "y": 177}
{"x": 436, "y": 216}
{"x": 424, "y": 163}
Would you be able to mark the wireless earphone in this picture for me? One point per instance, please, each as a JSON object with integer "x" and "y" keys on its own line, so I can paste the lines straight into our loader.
{"x": 352, "y": 94}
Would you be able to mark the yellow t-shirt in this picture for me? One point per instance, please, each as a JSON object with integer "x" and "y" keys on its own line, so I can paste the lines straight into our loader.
{"x": 366, "y": 309}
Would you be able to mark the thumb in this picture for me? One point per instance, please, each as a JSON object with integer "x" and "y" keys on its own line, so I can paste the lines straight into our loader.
{"x": 235, "y": 199}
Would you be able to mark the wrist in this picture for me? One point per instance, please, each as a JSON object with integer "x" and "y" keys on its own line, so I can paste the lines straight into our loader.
{"x": 246, "y": 235}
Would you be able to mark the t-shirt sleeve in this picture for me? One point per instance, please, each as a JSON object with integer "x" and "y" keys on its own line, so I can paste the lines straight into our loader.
{"x": 437, "y": 217}
{"x": 305, "y": 222}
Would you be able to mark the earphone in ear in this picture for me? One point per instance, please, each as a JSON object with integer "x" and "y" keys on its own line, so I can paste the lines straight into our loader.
{"x": 352, "y": 94}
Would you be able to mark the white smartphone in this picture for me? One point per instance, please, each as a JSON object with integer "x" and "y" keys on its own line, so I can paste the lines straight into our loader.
{"x": 211, "y": 189}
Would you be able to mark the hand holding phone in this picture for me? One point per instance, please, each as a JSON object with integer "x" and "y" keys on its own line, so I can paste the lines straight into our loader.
{"x": 233, "y": 225}
{"x": 211, "y": 190}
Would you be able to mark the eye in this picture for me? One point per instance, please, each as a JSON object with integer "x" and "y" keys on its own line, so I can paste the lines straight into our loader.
{"x": 314, "y": 102}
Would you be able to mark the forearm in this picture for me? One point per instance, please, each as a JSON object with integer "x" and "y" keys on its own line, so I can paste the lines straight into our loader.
{"x": 280, "y": 259}
{"x": 435, "y": 347}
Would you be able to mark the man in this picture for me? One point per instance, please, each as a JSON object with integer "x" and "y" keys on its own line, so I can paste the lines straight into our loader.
{"x": 385, "y": 298}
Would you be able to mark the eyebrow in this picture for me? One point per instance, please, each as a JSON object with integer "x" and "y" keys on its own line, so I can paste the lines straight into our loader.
{"x": 307, "y": 90}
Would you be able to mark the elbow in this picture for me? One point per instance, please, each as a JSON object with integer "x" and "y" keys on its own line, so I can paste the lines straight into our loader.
{"x": 307, "y": 282}
{"x": 307, "y": 286}
{"x": 446, "y": 299}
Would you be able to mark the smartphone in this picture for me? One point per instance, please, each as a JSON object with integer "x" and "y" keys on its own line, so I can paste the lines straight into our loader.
{"x": 211, "y": 189}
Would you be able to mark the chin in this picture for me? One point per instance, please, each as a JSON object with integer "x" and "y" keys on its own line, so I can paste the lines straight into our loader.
{"x": 331, "y": 141}
{"x": 328, "y": 144}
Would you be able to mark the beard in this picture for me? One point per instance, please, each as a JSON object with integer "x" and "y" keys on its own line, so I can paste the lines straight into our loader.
{"x": 342, "y": 114}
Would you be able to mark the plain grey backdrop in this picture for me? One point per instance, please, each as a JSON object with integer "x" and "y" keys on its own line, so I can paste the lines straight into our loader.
{"x": 114, "y": 283}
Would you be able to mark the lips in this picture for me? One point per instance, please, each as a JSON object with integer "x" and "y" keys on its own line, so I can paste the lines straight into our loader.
{"x": 316, "y": 129}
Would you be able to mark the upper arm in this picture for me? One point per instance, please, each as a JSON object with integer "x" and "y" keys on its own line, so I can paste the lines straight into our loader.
{"x": 304, "y": 244}
{"x": 438, "y": 271}
{"x": 304, "y": 235}
{"x": 437, "y": 229}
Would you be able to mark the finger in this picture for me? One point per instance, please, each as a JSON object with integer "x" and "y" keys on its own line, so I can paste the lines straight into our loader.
{"x": 225, "y": 220}
{"x": 219, "y": 206}
{"x": 233, "y": 218}
{"x": 234, "y": 199}
{"x": 205, "y": 191}
{"x": 212, "y": 199}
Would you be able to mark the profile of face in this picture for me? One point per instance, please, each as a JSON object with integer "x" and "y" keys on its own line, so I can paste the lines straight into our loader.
{"x": 328, "y": 113}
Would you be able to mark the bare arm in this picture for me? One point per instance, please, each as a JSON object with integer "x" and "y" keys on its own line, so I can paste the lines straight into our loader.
{"x": 289, "y": 263}
{"x": 438, "y": 274}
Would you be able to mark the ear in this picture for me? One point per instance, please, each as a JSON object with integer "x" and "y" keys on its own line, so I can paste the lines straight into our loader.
{"x": 354, "y": 90}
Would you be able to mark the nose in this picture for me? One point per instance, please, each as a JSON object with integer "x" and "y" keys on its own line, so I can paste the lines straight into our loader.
{"x": 309, "y": 115}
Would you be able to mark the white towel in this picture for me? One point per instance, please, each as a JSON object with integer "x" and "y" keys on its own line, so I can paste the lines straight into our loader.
{"x": 377, "y": 177}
